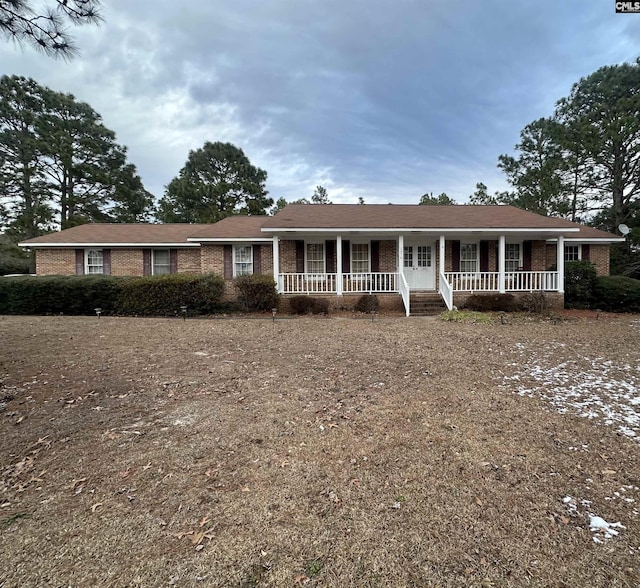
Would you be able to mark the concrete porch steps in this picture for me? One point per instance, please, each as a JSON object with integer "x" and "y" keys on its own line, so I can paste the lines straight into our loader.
{"x": 426, "y": 304}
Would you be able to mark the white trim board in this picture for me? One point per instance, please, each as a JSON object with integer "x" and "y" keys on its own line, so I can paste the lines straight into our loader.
{"x": 433, "y": 230}
{"x": 102, "y": 245}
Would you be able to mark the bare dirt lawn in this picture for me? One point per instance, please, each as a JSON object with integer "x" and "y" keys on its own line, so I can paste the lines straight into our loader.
{"x": 319, "y": 452}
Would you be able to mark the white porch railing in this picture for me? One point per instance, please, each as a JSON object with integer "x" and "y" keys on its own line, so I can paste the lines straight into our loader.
{"x": 366, "y": 283}
{"x": 531, "y": 281}
{"x": 370, "y": 282}
{"x": 446, "y": 292}
{"x": 404, "y": 291}
{"x": 473, "y": 281}
{"x": 307, "y": 283}
{"x": 519, "y": 281}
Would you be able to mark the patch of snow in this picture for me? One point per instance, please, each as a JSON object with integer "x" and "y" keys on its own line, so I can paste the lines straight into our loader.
{"x": 603, "y": 529}
{"x": 600, "y": 390}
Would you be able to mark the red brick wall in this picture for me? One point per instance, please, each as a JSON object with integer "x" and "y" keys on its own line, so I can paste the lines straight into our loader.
{"x": 124, "y": 262}
{"x": 388, "y": 256}
{"x": 287, "y": 257}
{"x": 598, "y": 256}
{"x": 55, "y": 262}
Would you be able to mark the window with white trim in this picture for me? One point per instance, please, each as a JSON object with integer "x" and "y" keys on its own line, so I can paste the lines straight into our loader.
{"x": 93, "y": 261}
{"x": 315, "y": 258}
{"x": 242, "y": 260}
{"x": 572, "y": 252}
{"x": 161, "y": 262}
{"x": 360, "y": 258}
{"x": 512, "y": 257}
{"x": 408, "y": 256}
{"x": 469, "y": 257}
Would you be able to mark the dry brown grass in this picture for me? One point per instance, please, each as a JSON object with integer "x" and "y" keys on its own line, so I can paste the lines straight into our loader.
{"x": 317, "y": 452}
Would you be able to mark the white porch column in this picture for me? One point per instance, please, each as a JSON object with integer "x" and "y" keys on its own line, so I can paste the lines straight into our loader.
{"x": 400, "y": 255}
{"x": 441, "y": 255}
{"x": 276, "y": 262}
{"x": 501, "y": 264}
{"x": 560, "y": 264}
{"x": 339, "y": 265}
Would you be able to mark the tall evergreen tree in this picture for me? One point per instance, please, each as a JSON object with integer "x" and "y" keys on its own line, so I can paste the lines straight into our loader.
{"x": 217, "y": 181}
{"x": 23, "y": 192}
{"x": 58, "y": 162}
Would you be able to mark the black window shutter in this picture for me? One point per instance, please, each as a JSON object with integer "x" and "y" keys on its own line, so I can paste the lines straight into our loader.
{"x": 173, "y": 261}
{"x": 79, "y": 261}
{"x": 228, "y": 262}
{"x": 300, "y": 257}
{"x": 346, "y": 257}
{"x": 527, "y": 247}
{"x": 257, "y": 259}
{"x": 586, "y": 252}
{"x": 375, "y": 256}
{"x": 484, "y": 256}
{"x": 455, "y": 256}
{"x": 330, "y": 256}
{"x": 106, "y": 262}
{"x": 146, "y": 262}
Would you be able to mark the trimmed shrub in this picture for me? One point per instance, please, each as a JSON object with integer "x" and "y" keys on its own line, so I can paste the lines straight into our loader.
{"x": 164, "y": 295}
{"x": 257, "y": 292}
{"x": 159, "y": 295}
{"x": 308, "y": 305}
{"x": 491, "y": 303}
{"x": 580, "y": 279}
{"x": 535, "y": 302}
{"x": 617, "y": 294}
{"x": 13, "y": 260}
{"x": 59, "y": 294}
{"x": 366, "y": 303}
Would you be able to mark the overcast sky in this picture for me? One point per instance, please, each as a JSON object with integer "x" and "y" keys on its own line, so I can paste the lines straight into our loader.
{"x": 384, "y": 99}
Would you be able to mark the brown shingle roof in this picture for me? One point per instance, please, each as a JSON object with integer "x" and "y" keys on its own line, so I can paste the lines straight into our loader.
{"x": 120, "y": 233}
{"x": 316, "y": 216}
{"x": 412, "y": 216}
{"x": 407, "y": 216}
{"x": 234, "y": 227}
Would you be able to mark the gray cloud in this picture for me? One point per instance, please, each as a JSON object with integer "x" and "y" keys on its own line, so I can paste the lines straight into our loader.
{"x": 375, "y": 99}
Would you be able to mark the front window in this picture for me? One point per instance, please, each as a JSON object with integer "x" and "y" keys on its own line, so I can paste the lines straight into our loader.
{"x": 95, "y": 264}
{"x": 360, "y": 258}
{"x": 161, "y": 262}
{"x": 408, "y": 256}
{"x": 242, "y": 260}
{"x": 572, "y": 252}
{"x": 469, "y": 257}
{"x": 315, "y": 258}
{"x": 424, "y": 256}
{"x": 512, "y": 257}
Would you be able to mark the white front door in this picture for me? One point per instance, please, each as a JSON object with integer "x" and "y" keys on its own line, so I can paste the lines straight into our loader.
{"x": 418, "y": 267}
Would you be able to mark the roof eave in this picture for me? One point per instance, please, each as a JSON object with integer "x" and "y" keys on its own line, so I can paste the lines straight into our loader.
{"x": 422, "y": 230}
{"x": 94, "y": 244}
{"x": 230, "y": 239}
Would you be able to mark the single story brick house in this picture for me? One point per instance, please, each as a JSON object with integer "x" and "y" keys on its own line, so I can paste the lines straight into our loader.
{"x": 343, "y": 251}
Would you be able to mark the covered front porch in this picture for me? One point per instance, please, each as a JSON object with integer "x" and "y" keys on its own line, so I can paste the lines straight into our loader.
{"x": 419, "y": 263}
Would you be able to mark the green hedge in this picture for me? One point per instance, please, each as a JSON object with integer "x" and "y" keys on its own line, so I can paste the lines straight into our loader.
{"x": 162, "y": 295}
{"x": 81, "y": 295}
{"x": 59, "y": 294}
{"x": 257, "y": 292}
{"x": 617, "y": 294}
{"x": 580, "y": 279}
